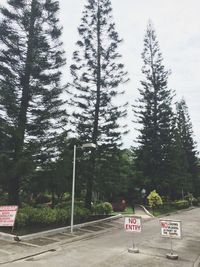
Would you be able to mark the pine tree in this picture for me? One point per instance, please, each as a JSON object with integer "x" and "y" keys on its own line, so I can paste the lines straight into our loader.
{"x": 154, "y": 117}
{"x": 114, "y": 175}
{"x": 31, "y": 56}
{"x": 185, "y": 131}
{"x": 97, "y": 74}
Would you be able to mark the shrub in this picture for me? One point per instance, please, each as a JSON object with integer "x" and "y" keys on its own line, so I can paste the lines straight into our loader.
{"x": 181, "y": 204}
{"x": 195, "y": 201}
{"x": 107, "y": 208}
{"x": 63, "y": 216}
{"x": 119, "y": 206}
{"x": 29, "y": 216}
{"x": 81, "y": 214}
{"x": 192, "y": 200}
{"x": 67, "y": 204}
{"x": 154, "y": 199}
{"x": 22, "y": 219}
{"x": 103, "y": 208}
{"x": 198, "y": 201}
{"x": 41, "y": 198}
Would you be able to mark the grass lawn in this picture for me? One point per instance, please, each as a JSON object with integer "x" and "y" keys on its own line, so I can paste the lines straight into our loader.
{"x": 128, "y": 210}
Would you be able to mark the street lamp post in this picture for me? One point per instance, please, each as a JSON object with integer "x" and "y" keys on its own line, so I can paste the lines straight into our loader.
{"x": 88, "y": 145}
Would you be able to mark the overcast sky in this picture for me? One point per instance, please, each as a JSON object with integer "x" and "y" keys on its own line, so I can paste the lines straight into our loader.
{"x": 177, "y": 25}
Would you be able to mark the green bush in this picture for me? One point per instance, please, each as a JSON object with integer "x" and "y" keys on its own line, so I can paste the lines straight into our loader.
{"x": 154, "y": 199}
{"x": 195, "y": 201}
{"x": 104, "y": 208}
{"x": 198, "y": 201}
{"x": 46, "y": 216}
{"x": 81, "y": 214}
{"x": 108, "y": 208}
{"x": 22, "y": 219}
{"x": 29, "y": 216}
{"x": 63, "y": 216}
{"x": 181, "y": 204}
{"x": 67, "y": 204}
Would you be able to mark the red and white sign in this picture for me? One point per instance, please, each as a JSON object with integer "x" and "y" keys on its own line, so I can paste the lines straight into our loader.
{"x": 133, "y": 224}
{"x": 8, "y": 215}
{"x": 171, "y": 228}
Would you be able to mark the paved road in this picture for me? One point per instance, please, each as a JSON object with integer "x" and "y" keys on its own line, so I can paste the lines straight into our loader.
{"x": 110, "y": 247}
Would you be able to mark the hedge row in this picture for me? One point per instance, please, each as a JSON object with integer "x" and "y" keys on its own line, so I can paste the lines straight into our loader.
{"x": 29, "y": 216}
{"x": 45, "y": 216}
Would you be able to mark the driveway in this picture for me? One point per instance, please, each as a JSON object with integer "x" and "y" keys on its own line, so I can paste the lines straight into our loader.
{"x": 109, "y": 247}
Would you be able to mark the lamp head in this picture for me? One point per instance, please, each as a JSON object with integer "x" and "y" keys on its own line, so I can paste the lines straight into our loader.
{"x": 89, "y": 145}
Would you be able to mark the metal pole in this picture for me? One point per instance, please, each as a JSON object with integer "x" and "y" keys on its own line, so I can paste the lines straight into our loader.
{"x": 73, "y": 189}
{"x": 171, "y": 247}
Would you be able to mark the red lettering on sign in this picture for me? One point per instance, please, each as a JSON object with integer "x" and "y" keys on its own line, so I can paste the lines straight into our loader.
{"x": 132, "y": 220}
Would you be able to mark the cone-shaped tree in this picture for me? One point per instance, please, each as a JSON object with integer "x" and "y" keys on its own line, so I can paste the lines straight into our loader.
{"x": 31, "y": 56}
{"x": 154, "y": 117}
{"x": 97, "y": 74}
{"x": 184, "y": 128}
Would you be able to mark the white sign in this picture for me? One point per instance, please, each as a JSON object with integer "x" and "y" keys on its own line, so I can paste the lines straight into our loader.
{"x": 8, "y": 215}
{"x": 171, "y": 228}
{"x": 133, "y": 224}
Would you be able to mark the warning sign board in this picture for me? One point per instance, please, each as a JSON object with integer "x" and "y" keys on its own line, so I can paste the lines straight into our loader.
{"x": 133, "y": 224}
{"x": 171, "y": 228}
{"x": 8, "y": 215}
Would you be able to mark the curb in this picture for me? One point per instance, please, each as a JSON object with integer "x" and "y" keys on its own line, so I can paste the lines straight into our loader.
{"x": 146, "y": 211}
{"x": 175, "y": 212}
{"x": 9, "y": 237}
{"x": 6, "y": 237}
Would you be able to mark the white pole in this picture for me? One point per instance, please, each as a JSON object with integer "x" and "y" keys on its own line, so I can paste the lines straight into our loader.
{"x": 73, "y": 189}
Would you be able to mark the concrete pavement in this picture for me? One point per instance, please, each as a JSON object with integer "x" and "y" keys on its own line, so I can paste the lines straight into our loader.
{"x": 109, "y": 246}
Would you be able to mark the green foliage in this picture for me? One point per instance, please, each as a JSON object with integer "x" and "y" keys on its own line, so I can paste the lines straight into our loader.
{"x": 22, "y": 219}
{"x": 44, "y": 216}
{"x": 31, "y": 107}
{"x": 155, "y": 118}
{"x": 189, "y": 153}
{"x": 181, "y": 204}
{"x": 114, "y": 175}
{"x": 154, "y": 199}
{"x": 97, "y": 75}
{"x": 81, "y": 214}
{"x": 41, "y": 216}
{"x": 104, "y": 208}
{"x": 191, "y": 199}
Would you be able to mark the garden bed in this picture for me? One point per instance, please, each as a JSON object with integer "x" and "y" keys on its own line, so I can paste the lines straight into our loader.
{"x": 31, "y": 229}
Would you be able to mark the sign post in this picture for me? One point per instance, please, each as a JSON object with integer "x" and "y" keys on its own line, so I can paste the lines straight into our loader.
{"x": 7, "y": 216}
{"x": 133, "y": 224}
{"x": 171, "y": 229}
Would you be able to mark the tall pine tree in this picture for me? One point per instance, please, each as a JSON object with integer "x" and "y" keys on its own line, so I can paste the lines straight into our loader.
{"x": 31, "y": 56}
{"x": 185, "y": 131}
{"x": 154, "y": 117}
{"x": 97, "y": 74}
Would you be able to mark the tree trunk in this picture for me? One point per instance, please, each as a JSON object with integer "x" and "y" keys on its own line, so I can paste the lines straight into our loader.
{"x": 14, "y": 183}
{"x": 90, "y": 179}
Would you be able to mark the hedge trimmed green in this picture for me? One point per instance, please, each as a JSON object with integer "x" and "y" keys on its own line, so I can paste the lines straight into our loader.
{"x": 45, "y": 216}
{"x": 104, "y": 208}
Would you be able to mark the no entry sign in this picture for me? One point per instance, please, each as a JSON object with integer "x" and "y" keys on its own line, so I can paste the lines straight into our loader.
{"x": 171, "y": 228}
{"x": 7, "y": 215}
{"x": 133, "y": 224}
